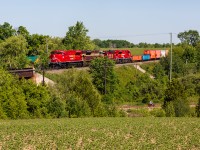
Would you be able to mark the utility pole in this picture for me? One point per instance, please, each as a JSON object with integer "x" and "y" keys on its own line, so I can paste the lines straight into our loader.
{"x": 43, "y": 65}
{"x": 170, "y": 75}
{"x": 43, "y": 82}
{"x": 47, "y": 45}
{"x": 105, "y": 67}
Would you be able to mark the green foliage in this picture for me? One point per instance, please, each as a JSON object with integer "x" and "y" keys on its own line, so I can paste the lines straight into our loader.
{"x": 198, "y": 56}
{"x": 176, "y": 95}
{"x": 112, "y": 43}
{"x": 6, "y": 31}
{"x": 77, "y": 107}
{"x": 169, "y": 109}
{"x": 76, "y": 87}
{"x": 174, "y": 90}
{"x": 190, "y": 37}
{"x": 189, "y": 54}
{"x": 76, "y": 38}
{"x": 138, "y": 113}
{"x": 184, "y": 61}
{"x": 158, "y": 113}
{"x": 198, "y": 108}
{"x": 12, "y": 99}
{"x": 37, "y": 98}
{"x": 36, "y": 44}
{"x": 158, "y": 71}
{"x": 2, "y": 113}
{"x": 24, "y": 99}
{"x": 13, "y": 52}
{"x": 56, "y": 107}
{"x": 23, "y": 31}
{"x": 103, "y": 75}
{"x": 112, "y": 111}
{"x": 191, "y": 84}
{"x": 181, "y": 107}
{"x": 136, "y": 87}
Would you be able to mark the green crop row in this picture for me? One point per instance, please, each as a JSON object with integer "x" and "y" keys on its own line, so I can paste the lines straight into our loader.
{"x": 101, "y": 133}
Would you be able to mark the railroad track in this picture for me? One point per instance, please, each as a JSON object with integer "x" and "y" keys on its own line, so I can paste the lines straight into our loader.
{"x": 58, "y": 71}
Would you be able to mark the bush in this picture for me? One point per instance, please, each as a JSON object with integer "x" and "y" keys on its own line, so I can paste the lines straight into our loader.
{"x": 76, "y": 107}
{"x": 56, "y": 107}
{"x": 198, "y": 109}
{"x": 138, "y": 113}
{"x": 181, "y": 108}
{"x": 2, "y": 114}
{"x": 158, "y": 113}
{"x": 169, "y": 109}
{"x": 112, "y": 111}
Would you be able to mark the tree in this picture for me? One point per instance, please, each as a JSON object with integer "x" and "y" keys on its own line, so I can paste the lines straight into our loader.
{"x": 158, "y": 71}
{"x": 6, "y": 31}
{"x": 189, "y": 54}
{"x": 23, "y": 31}
{"x": 12, "y": 99}
{"x": 80, "y": 95}
{"x": 37, "y": 98}
{"x": 76, "y": 38}
{"x": 198, "y": 56}
{"x": 13, "y": 52}
{"x": 35, "y": 42}
{"x": 103, "y": 75}
{"x": 190, "y": 37}
{"x": 176, "y": 95}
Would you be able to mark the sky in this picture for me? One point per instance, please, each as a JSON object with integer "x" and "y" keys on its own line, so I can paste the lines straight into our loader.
{"x": 136, "y": 21}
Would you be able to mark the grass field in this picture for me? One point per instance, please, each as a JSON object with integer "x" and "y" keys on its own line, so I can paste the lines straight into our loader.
{"x": 101, "y": 133}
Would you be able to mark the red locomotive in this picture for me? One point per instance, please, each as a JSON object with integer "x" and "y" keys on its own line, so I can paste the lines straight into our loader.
{"x": 64, "y": 59}
{"x": 119, "y": 56}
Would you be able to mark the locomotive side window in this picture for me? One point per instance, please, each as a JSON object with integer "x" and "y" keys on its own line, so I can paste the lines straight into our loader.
{"x": 78, "y": 53}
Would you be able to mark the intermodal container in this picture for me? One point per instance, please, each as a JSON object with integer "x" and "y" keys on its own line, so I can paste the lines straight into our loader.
{"x": 164, "y": 53}
{"x": 146, "y": 57}
{"x": 158, "y": 54}
{"x": 137, "y": 58}
{"x": 152, "y": 53}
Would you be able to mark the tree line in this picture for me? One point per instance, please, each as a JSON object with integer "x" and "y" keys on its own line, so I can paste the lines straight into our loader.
{"x": 108, "y": 87}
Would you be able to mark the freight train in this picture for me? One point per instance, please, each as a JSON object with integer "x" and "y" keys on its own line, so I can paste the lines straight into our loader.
{"x": 80, "y": 58}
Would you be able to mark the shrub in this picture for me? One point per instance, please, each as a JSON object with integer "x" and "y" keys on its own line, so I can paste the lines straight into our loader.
{"x": 169, "y": 109}
{"x": 198, "y": 109}
{"x": 138, "y": 113}
{"x": 181, "y": 108}
{"x": 2, "y": 114}
{"x": 158, "y": 113}
{"x": 56, "y": 107}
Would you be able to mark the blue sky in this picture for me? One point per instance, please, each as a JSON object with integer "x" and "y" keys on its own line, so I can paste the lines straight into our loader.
{"x": 137, "y": 21}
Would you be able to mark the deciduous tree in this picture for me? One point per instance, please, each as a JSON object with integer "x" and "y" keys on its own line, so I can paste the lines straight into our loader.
{"x": 6, "y": 31}
{"x": 176, "y": 95}
{"x": 76, "y": 38}
{"x": 104, "y": 77}
{"x": 13, "y": 52}
{"x": 190, "y": 37}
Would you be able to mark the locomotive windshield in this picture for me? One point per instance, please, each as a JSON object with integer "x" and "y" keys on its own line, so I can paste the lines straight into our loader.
{"x": 55, "y": 52}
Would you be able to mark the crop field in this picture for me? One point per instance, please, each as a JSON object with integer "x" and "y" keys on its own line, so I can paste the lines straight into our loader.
{"x": 101, "y": 133}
